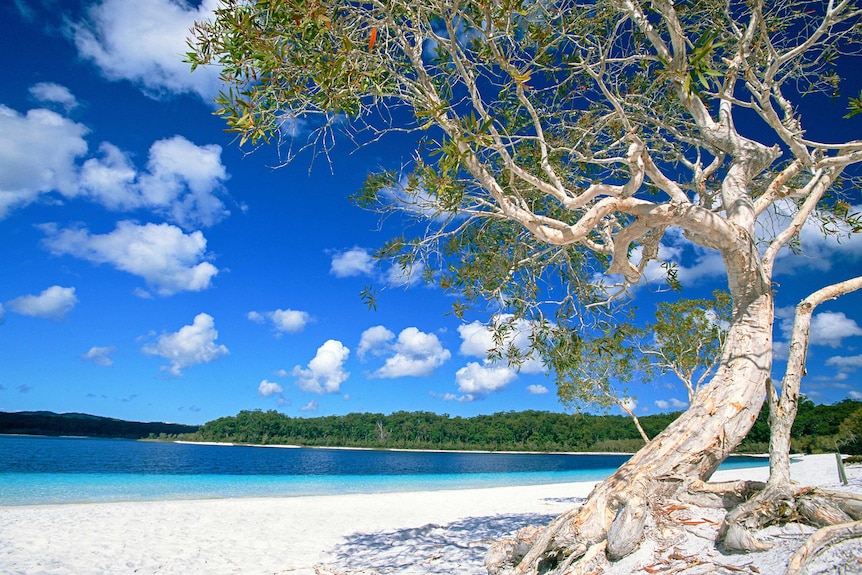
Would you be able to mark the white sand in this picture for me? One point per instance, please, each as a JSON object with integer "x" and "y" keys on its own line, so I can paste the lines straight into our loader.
{"x": 430, "y": 532}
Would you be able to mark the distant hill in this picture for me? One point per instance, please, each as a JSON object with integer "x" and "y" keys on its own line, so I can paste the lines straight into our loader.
{"x": 50, "y": 423}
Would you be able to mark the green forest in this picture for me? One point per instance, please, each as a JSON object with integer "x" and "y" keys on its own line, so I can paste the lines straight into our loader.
{"x": 82, "y": 424}
{"x": 818, "y": 428}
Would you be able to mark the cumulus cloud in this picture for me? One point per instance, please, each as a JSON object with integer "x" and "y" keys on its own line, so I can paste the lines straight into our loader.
{"x": 182, "y": 182}
{"x": 359, "y": 262}
{"x": 268, "y": 388}
{"x": 845, "y": 364}
{"x": 537, "y": 389}
{"x": 49, "y": 92}
{"x": 38, "y": 154}
{"x": 100, "y": 356}
{"x": 53, "y": 303}
{"x": 413, "y": 353}
{"x": 144, "y": 42}
{"x": 191, "y": 345}
{"x": 827, "y": 328}
{"x": 325, "y": 372}
{"x": 283, "y": 320}
{"x": 670, "y": 403}
{"x": 475, "y": 380}
{"x": 374, "y": 340}
{"x": 353, "y": 262}
{"x": 830, "y": 328}
{"x": 477, "y": 340}
{"x": 168, "y": 259}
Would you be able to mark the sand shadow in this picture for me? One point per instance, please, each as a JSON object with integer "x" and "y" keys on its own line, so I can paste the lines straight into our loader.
{"x": 457, "y": 547}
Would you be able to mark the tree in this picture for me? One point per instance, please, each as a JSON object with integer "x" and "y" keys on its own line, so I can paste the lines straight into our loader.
{"x": 687, "y": 338}
{"x": 564, "y": 139}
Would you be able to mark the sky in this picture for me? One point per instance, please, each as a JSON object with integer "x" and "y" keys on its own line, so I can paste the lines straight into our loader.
{"x": 154, "y": 271}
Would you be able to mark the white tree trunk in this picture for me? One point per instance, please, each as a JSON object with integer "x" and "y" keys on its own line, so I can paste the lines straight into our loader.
{"x": 779, "y": 500}
{"x": 690, "y": 449}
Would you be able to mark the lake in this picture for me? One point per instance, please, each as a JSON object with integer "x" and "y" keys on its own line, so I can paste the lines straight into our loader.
{"x": 36, "y": 470}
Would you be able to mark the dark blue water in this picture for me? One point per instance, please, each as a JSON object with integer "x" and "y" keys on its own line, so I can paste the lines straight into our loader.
{"x": 64, "y": 470}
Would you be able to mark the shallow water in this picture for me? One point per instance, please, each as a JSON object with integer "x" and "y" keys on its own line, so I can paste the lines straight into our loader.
{"x": 36, "y": 470}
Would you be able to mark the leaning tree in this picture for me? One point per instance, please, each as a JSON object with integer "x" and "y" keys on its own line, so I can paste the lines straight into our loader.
{"x": 557, "y": 140}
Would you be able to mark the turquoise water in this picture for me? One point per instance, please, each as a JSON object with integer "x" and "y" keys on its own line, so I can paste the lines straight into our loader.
{"x": 37, "y": 470}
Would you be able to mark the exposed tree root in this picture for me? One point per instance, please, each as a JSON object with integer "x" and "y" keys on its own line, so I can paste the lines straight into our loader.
{"x": 780, "y": 504}
{"x": 828, "y": 538}
{"x": 564, "y": 547}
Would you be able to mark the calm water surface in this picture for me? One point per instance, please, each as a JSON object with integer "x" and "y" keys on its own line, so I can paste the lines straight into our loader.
{"x": 65, "y": 470}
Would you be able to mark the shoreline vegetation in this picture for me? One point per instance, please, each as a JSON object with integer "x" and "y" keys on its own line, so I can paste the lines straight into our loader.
{"x": 817, "y": 429}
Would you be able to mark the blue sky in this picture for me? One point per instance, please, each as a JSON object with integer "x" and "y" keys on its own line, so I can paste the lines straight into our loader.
{"x": 153, "y": 271}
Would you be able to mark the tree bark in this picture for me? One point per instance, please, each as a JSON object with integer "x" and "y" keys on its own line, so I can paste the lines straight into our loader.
{"x": 690, "y": 449}
{"x": 779, "y": 501}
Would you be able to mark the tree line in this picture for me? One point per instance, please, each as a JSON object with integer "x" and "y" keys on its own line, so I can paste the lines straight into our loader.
{"x": 82, "y": 424}
{"x": 816, "y": 429}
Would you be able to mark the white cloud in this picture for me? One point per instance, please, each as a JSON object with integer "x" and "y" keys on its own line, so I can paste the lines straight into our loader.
{"x": 353, "y": 262}
{"x": 671, "y": 403}
{"x": 476, "y": 380}
{"x": 310, "y": 407}
{"x": 191, "y": 345}
{"x": 829, "y": 328}
{"x": 855, "y": 395}
{"x": 100, "y": 356}
{"x": 629, "y": 403}
{"x": 405, "y": 276}
{"x": 325, "y": 372}
{"x": 477, "y": 339}
{"x": 537, "y": 389}
{"x": 693, "y": 262}
{"x": 50, "y": 92}
{"x": 53, "y": 303}
{"x": 166, "y": 258}
{"x": 268, "y": 388}
{"x": 819, "y": 252}
{"x": 182, "y": 181}
{"x": 37, "y": 155}
{"x": 845, "y": 363}
{"x": 452, "y": 397}
{"x": 374, "y": 340}
{"x": 283, "y": 320}
{"x": 145, "y": 42}
{"x": 414, "y": 353}
{"x": 359, "y": 262}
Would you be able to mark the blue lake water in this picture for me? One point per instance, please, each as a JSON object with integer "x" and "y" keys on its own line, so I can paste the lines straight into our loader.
{"x": 35, "y": 470}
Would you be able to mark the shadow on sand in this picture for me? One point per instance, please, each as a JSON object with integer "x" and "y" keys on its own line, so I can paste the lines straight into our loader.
{"x": 458, "y": 547}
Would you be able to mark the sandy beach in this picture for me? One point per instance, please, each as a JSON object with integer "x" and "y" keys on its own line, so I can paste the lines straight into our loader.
{"x": 431, "y": 532}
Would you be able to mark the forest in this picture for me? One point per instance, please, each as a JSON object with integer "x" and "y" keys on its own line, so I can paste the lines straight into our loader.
{"x": 817, "y": 429}
{"x": 82, "y": 424}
